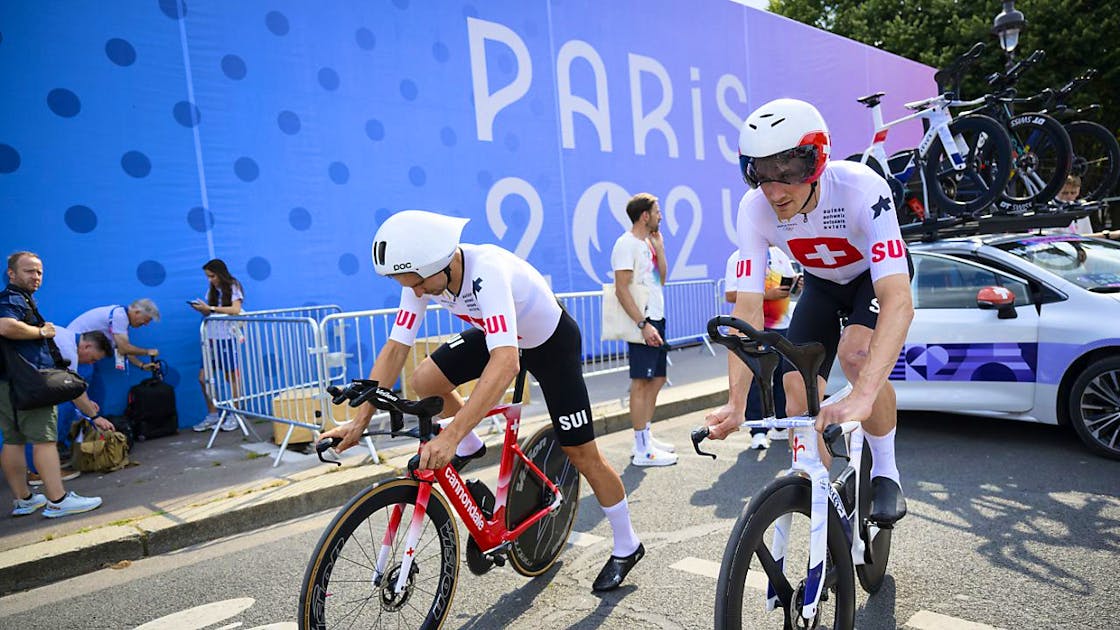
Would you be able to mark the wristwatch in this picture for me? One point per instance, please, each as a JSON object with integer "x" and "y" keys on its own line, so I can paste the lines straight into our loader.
{"x": 642, "y": 324}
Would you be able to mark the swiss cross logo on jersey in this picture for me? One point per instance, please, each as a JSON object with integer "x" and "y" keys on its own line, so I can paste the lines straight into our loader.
{"x": 742, "y": 268}
{"x": 406, "y": 318}
{"x": 826, "y": 252}
{"x": 882, "y": 250}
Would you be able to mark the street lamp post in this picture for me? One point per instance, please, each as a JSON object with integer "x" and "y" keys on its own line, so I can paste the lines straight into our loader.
{"x": 1007, "y": 26}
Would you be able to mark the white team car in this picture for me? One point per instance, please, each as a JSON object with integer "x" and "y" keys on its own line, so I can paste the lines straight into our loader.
{"x": 1050, "y": 354}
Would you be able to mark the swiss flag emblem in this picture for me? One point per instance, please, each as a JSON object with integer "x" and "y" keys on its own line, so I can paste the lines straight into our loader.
{"x": 828, "y": 252}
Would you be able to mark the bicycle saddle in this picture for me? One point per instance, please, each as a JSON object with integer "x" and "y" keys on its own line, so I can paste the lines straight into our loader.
{"x": 871, "y": 100}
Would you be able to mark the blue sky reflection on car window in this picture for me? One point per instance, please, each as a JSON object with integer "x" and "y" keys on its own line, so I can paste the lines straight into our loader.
{"x": 1088, "y": 263}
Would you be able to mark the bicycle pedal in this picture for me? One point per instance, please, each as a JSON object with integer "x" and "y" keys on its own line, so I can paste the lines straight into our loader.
{"x": 478, "y": 562}
{"x": 498, "y": 559}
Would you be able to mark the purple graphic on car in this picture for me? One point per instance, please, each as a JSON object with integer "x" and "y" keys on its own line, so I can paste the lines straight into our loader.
{"x": 986, "y": 362}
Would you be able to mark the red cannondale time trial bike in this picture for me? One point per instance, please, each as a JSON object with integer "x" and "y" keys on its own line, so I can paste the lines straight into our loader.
{"x": 390, "y": 557}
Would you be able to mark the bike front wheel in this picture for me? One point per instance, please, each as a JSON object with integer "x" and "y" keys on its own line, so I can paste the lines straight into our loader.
{"x": 1043, "y": 158}
{"x": 985, "y": 147}
{"x": 1096, "y": 158}
{"x": 740, "y": 595}
{"x": 342, "y": 587}
{"x": 534, "y": 551}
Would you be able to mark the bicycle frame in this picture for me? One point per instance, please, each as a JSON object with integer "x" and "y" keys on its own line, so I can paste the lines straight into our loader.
{"x": 490, "y": 534}
{"x": 806, "y": 461}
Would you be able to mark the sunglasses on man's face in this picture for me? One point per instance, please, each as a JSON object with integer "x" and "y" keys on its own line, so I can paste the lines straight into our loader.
{"x": 788, "y": 167}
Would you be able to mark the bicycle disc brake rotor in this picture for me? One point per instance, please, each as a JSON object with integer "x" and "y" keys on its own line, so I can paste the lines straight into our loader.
{"x": 392, "y": 601}
{"x": 793, "y": 613}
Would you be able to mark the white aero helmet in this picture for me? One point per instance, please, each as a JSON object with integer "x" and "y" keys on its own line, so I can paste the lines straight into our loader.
{"x": 416, "y": 241}
{"x": 791, "y": 135}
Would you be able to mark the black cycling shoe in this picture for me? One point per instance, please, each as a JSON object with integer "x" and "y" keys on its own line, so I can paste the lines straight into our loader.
{"x": 887, "y": 503}
{"x": 615, "y": 570}
{"x": 459, "y": 461}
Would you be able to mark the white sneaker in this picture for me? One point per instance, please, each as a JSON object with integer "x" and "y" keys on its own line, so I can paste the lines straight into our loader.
{"x": 653, "y": 457}
{"x": 661, "y": 446}
{"x": 71, "y": 504}
{"x": 759, "y": 442}
{"x": 23, "y": 507}
{"x": 230, "y": 423}
{"x": 778, "y": 434}
{"x": 207, "y": 423}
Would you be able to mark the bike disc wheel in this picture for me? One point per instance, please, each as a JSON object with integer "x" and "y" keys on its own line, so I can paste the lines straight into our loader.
{"x": 874, "y": 568}
{"x": 1096, "y": 158}
{"x": 1043, "y": 157}
{"x": 534, "y": 551}
{"x": 986, "y": 150}
{"x": 340, "y": 586}
{"x": 748, "y": 561}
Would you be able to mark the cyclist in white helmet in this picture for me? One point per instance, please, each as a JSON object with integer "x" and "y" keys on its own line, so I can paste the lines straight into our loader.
{"x": 515, "y": 321}
{"x": 838, "y": 220}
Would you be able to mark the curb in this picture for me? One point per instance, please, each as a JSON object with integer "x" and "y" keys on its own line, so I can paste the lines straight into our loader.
{"x": 51, "y": 561}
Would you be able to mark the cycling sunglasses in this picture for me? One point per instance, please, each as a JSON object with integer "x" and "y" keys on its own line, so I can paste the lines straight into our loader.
{"x": 793, "y": 166}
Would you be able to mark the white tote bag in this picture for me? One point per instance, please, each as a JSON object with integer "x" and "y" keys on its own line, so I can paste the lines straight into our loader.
{"x": 616, "y": 323}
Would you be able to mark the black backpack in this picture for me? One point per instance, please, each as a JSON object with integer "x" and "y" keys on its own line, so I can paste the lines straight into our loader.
{"x": 151, "y": 407}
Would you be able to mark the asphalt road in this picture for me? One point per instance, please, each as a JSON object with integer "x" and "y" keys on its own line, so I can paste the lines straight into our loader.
{"x": 1011, "y": 525}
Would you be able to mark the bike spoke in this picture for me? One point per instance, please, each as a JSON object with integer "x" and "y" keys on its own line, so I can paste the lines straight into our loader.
{"x": 775, "y": 574}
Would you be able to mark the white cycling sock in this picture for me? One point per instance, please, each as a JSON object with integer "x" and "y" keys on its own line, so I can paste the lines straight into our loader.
{"x": 641, "y": 440}
{"x": 469, "y": 444}
{"x": 882, "y": 450}
{"x": 625, "y": 538}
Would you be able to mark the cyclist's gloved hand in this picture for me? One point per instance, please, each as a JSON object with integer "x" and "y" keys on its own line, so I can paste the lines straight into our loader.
{"x": 723, "y": 421}
{"x": 438, "y": 452}
{"x": 349, "y": 433}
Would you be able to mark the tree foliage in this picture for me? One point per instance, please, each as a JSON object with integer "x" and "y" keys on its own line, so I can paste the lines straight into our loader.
{"x": 1076, "y": 34}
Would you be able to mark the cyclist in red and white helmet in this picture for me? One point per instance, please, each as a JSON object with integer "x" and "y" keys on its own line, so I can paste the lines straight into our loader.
{"x": 515, "y": 321}
{"x": 838, "y": 220}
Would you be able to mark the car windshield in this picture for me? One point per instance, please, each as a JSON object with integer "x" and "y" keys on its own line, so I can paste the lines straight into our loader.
{"x": 1089, "y": 263}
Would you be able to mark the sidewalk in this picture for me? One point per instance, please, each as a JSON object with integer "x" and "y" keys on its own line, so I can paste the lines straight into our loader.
{"x": 182, "y": 494}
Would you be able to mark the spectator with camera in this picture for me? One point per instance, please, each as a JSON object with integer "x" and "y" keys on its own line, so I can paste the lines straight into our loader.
{"x": 114, "y": 321}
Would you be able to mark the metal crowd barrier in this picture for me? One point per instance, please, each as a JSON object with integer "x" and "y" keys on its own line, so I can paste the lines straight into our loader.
{"x": 277, "y": 364}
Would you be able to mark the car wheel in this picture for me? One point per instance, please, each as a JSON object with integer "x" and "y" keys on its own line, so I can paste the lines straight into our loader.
{"x": 1094, "y": 407}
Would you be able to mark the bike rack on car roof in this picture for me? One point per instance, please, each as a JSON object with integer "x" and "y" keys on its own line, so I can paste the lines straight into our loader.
{"x": 1044, "y": 216}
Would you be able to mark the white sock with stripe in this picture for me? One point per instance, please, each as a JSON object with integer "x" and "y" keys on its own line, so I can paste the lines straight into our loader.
{"x": 882, "y": 450}
{"x": 625, "y": 538}
{"x": 469, "y": 444}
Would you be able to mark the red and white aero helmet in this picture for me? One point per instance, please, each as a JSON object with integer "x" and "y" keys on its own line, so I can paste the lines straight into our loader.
{"x": 416, "y": 241}
{"x": 790, "y": 131}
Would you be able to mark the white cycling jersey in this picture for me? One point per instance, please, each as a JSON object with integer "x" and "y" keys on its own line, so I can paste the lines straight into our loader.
{"x": 502, "y": 295}
{"x": 853, "y": 228}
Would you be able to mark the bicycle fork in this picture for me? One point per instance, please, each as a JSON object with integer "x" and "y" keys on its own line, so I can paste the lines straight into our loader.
{"x": 806, "y": 459}
{"x": 416, "y": 526}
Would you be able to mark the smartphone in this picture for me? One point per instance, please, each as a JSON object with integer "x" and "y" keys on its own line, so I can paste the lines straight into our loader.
{"x": 787, "y": 281}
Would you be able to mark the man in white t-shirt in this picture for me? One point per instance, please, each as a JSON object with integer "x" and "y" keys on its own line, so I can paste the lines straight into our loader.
{"x": 515, "y": 323}
{"x": 638, "y": 258}
{"x": 781, "y": 282}
{"x": 114, "y": 321}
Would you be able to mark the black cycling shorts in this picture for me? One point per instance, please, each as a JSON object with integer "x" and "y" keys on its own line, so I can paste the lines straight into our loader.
{"x": 822, "y": 305}
{"x": 555, "y": 364}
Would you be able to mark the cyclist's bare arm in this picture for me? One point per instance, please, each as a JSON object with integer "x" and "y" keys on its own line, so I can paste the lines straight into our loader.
{"x": 726, "y": 420}
{"x": 386, "y": 368}
{"x": 500, "y": 371}
{"x": 896, "y": 310}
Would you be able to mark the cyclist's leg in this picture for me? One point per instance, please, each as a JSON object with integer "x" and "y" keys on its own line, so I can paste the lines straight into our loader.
{"x": 555, "y": 365}
{"x": 888, "y": 502}
{"x": 462, "y": 359}
{"x": 814, "y": 319}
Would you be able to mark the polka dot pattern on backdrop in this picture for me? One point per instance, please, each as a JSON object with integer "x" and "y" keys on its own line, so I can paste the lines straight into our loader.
{"x": 64, "y": 102}
{"x": 288, "y": 122}
{"x": 339, "y": 173}
{"x": 348, "y": 264}
{"x": 151, "y": 273}
{"x": 80, "y": 219}
{"x": 186, "y": 114}
{"x": 200, "y": 219}
{"x": 328, "y": 78}
{"x": 417, "y": 176}
{"x": 299, "y": 218}
{"x": 258, "y": 268}
{"x": 174, "y": 9}
{"x": 447, "y": 137}
{"x": 365, "y": 39}
{"x": 440, "y": 52}
{"x": 234, "y": 67}
{"x": 277, "y": 23}
{"x": 246, "y": 169}
{"x": 375, "y": 130}
{"x": 409, "y": 90}
{"x": 9, "y": 159}
{"x": 136, "y": 164}
{"x": 120, "y": 52}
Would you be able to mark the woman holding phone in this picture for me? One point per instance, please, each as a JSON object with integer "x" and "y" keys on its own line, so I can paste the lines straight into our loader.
{"x": 223, "y": 297}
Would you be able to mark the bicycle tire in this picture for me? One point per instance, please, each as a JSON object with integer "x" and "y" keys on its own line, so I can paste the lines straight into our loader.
{"x": 1043, "y": 158}
{"x": 536, "y": 549}
{"x": 874, "y": 569}
{"x": 987, "y": 167}
{"x": 1096, "y": 158}
{"x": 790, "y": 494}
{"x": 338, "y": 573}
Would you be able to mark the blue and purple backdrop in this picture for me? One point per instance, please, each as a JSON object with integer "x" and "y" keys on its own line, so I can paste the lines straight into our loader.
{"x": 140, "y": 138}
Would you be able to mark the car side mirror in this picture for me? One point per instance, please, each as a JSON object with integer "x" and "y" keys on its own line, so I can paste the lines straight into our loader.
{"x": 1001, "y": 299}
